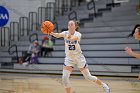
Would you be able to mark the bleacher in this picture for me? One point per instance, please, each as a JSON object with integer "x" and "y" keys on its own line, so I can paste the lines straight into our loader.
{"x": 104, "y": 37}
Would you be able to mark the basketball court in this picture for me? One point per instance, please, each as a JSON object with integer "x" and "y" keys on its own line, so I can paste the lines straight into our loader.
{"x": 38, "y": 83}
{"x": 104, "y": 28}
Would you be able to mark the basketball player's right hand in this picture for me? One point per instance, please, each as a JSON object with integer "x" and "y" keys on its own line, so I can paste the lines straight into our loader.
{"x": 51, "y": 33}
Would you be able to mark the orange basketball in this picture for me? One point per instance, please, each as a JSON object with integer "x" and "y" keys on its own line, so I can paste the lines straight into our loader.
{"x": 47, "y": 27}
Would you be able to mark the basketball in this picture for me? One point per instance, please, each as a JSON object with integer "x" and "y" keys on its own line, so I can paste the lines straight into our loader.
{"x": 47, "y": 27}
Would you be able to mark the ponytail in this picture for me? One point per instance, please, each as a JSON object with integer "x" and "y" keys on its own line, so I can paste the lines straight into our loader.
{"x": 77, "y": 25}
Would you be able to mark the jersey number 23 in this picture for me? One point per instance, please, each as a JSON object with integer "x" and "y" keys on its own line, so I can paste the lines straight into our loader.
{"x": 71, "y": 47}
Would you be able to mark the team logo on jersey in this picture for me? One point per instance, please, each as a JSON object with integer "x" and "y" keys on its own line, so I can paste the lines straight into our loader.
{"x": 67, "y": 41}
{"x": 4, "y": 16}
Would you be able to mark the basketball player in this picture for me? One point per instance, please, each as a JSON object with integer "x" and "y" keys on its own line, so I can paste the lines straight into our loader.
{"x": 136, "y": 34}
{"x": 74, "y": 56}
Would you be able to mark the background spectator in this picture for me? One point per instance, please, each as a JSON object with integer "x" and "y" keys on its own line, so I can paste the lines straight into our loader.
{"x": 33, "y": 49}
{"x": 47, "y": 46}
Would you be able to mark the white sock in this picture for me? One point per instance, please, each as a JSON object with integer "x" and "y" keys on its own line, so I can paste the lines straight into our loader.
{"x": 104, "y": 85}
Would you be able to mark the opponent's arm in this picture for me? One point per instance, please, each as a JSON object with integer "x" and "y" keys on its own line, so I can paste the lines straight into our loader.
{"x": 131, "y": 53}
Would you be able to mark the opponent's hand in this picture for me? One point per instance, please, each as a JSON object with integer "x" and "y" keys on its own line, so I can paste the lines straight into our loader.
{"x": 128, "y": 50}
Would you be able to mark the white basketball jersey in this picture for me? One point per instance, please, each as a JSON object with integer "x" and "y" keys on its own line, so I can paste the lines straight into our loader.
{"x": 72, "y": 48}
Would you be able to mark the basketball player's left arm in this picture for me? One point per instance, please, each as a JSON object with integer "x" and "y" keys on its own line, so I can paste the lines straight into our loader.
{"x": 134, "y": 54}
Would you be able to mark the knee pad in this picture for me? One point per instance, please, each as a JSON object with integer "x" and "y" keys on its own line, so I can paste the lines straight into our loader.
{"x": 88, "y": 76}
{"x": 91, "y": 78}
{"x": 65, "y": 78}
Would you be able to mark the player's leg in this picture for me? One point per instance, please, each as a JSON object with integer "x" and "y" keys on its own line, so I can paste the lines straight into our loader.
{"x": 83, "y": 67}
{"x": 65, "y": 78}
{"x": 89, "y": 77}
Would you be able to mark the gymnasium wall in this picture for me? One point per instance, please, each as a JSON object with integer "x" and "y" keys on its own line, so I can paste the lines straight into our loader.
{"x": 20, "y": 8}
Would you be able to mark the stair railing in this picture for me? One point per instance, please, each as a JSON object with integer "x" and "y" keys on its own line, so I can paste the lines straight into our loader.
{"x": 32, "y": 36}
{"x": 15, "y": 51}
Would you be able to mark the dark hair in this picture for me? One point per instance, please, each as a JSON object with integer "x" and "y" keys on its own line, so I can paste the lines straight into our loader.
{"x": 77, "y": 25}
{"x": 133, "y": 31}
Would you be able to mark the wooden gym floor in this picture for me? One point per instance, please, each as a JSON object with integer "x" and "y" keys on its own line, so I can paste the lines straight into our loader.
{"x": 38, "y": 83}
